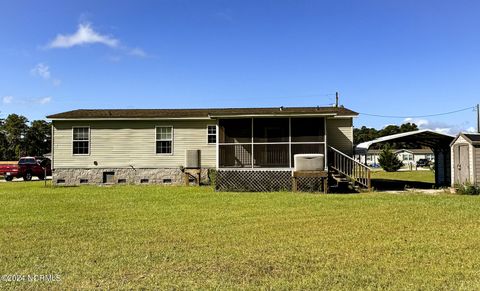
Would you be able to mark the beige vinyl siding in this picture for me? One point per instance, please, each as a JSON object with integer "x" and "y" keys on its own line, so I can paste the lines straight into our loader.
{"x": 126, "y": 144}
{"x": 340, "y": 134}
{"x": 477, "y": 164}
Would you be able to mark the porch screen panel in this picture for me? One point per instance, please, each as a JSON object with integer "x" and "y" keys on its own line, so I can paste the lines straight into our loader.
{"x": 235, "y": 155}
{"x": 271, "y": 155}
{"x": 270, "y": 130}
{"x": 235, "y": 130}
{"x": 308, "y": 129}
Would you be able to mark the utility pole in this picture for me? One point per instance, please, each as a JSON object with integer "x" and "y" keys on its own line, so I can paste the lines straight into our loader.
{"x": 478, "y": 118}
{"x": 336, "y": 99}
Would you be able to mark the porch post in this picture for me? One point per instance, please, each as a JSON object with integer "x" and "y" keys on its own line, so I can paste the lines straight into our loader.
{"x": 217, "y": 146}
{"x": 325, "y": 142}
{"x": 290, "y": 142}
{"x": 251, "y": 129}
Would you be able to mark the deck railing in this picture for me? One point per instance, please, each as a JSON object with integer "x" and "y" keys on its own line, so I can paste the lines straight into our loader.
{"x": 354, "y": 170}
{"x": 265, "y": 155}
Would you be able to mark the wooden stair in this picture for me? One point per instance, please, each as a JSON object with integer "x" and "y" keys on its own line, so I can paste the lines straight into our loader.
{"x": 346, "y": 173}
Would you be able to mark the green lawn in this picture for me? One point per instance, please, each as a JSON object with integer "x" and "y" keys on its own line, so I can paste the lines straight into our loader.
{"x": 193, "y": 238}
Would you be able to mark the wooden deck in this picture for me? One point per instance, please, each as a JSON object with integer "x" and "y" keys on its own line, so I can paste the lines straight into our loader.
{"x": 323, "y": 175}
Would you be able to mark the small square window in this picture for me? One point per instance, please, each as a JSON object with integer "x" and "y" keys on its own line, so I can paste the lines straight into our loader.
{"x": 212, "y": 134}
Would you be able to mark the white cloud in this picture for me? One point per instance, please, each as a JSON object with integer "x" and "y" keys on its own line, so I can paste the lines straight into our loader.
{"x": 7, "y": 99}
{"x": 138, "y": 52}
{"x": 43, "y": 100}
{"x": 441, "y": 127}
{"x": 83, "y": 36}
{"x": 41, "y": 70}
{"x": 419, "y": 122}
{"x": 86, "y": 35}
{"x": 471, "y": 129}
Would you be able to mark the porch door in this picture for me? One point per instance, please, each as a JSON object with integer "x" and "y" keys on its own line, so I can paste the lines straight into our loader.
{"x": 462, "y": 167}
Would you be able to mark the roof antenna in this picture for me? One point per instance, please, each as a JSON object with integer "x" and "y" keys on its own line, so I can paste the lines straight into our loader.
{"x": 336, "y": 99}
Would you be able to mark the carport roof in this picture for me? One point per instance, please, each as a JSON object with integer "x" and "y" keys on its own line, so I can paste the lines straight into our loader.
{"x": 423, "y": 137}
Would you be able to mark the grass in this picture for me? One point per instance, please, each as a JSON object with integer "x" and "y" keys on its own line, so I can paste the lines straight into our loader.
{"x": 193, "y": 238}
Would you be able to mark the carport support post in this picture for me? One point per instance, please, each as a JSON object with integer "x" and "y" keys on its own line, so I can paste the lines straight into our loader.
{"x": 435, "y": 166}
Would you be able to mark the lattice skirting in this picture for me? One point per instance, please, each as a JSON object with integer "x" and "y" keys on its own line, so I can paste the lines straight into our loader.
{"x": 263, "y": 181}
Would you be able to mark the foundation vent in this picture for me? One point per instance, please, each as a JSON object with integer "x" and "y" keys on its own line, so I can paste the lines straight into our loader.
{"x": 108, "y": 177}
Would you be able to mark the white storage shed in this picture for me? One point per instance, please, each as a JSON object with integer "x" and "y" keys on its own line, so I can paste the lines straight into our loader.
{"x": 465, "y": 152}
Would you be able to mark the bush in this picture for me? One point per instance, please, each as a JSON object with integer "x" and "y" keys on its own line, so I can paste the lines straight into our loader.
{"x": 389, "y": 161}
{"x": 212, "y": 176}
{"x": 467, "y": 189}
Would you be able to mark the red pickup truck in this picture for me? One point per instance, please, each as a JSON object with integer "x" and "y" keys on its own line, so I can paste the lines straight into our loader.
{"x": 26, "y": 168}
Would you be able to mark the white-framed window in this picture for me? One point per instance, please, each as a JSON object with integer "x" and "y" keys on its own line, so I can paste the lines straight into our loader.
{"x": 164, "y": 139}
{"x": 407, "y": 157}
{"x": 211, "y": 134}
{"x": 81, "y": 140}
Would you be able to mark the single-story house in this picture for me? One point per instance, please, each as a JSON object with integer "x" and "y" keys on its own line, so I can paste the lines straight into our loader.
{"x": 465, "y": 151}
{"x": 407, "y": 156}
{"x": 157, "y": 145}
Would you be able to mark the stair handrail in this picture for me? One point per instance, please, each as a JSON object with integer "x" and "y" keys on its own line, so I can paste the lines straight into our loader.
{"x": 361, "y": 176}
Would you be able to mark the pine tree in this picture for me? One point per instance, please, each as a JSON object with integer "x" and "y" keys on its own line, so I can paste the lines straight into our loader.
{"x": 389, "y": 161}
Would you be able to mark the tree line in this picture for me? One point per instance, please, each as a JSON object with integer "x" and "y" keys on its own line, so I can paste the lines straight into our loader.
{"x": 364, "y": 134}
{"x": 19, "y": 137}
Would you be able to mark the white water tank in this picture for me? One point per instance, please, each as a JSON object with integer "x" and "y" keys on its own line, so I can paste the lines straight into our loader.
{"x": 309, "y": 162}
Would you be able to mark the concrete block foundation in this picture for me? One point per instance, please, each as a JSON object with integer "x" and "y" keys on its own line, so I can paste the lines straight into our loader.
{"x": 164, "y": 176}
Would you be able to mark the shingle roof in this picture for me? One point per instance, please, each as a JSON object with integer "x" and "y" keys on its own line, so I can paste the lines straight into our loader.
{"x": 472, "y": 136}
{"x": 197, "y": 113}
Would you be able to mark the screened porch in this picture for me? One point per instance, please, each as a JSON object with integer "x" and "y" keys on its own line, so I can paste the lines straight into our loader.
{"x": 268, "y": 142}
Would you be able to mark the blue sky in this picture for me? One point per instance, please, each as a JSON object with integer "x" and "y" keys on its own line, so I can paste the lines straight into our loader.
{"x": 403, "y": 58}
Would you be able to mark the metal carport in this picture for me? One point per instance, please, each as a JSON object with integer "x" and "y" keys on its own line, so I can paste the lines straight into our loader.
{"x": 438, "y": 142}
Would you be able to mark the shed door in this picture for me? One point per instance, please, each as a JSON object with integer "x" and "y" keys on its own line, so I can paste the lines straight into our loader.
{"x": 462, "y": 170}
